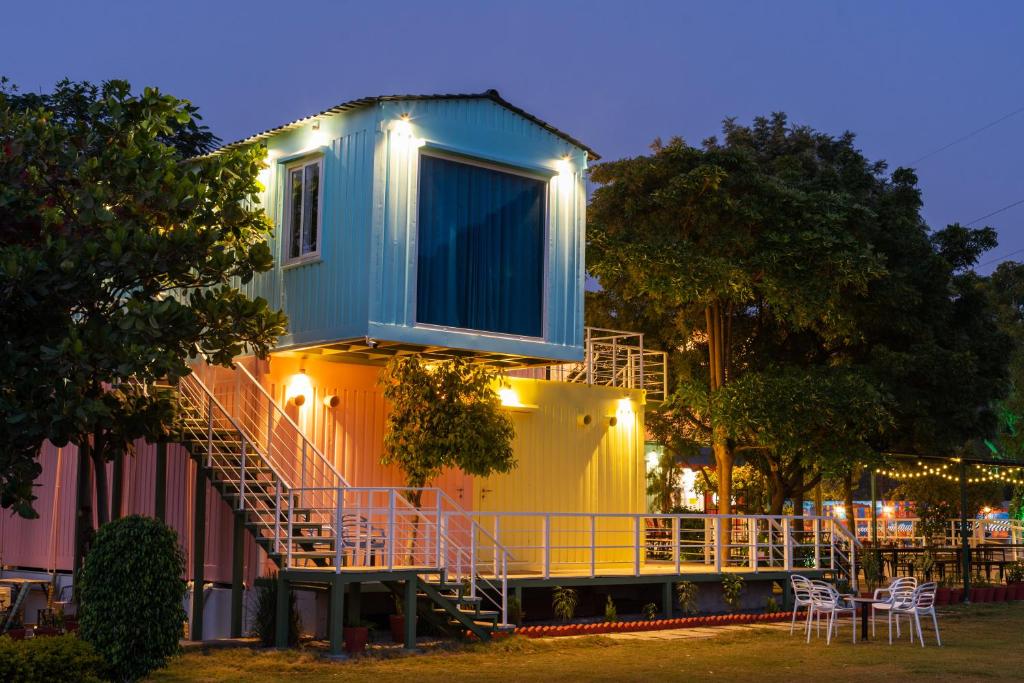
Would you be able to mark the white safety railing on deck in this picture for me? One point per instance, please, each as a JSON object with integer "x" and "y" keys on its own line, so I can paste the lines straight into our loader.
{"x": 593, "y": 544}
{"x": 614, "y": 358}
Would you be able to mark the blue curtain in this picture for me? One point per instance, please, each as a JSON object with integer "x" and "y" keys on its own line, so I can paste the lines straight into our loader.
{"x": 481, "y": 248}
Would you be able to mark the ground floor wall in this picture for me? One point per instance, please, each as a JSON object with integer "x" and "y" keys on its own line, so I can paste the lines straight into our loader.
{"x": 48, "y": 543}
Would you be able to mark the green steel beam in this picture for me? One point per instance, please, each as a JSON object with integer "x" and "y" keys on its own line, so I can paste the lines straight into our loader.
{"x": 160, "y": 497}
{"x": 409, "y": 610}
{"x": 237, "y": 574}
{"x": 666, "y": 599}
{"x": 198, "y": 552}
{"x": 355, "y": 603}
{"x": 965, "y": 546}
{"x": 336, "y": 616}
{"x": 281, "y": 613}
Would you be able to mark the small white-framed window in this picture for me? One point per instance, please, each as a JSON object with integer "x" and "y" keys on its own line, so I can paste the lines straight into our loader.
{"x": 302, "y": 219}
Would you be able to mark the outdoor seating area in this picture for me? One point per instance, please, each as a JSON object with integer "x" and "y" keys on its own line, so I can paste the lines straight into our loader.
{"x": 904, "y": 597}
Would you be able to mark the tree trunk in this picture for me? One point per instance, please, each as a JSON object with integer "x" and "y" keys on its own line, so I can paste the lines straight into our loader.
{"x": 818, "y": 503}
{"x": 778, "y": 493}
{"x": 102, "y": 493}
{"x": 117, "y": 488}
{"x": 723, "y": 468}
{"x": 717, "y": 375}
{"x": 83, "y": 504}
{"x": 851, "y": 513}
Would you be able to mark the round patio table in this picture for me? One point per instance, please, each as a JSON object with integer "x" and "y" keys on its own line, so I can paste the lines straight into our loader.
{"x": 865, "y": 606}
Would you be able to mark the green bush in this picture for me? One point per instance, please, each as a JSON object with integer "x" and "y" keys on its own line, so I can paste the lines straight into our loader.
{"x": 563, "y": 603}
{"x": 130, "y": 595}
{"x": 650, "y": 611}
{"x": 63, "y": 658}
{"x": 265, "y": 623}
{"x": 732, "y": 590}
{"x": 611, "y": 613}
{"x": 686, "y": 596}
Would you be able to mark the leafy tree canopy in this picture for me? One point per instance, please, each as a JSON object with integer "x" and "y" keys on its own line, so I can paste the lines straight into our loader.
{"x": 120, "y": 259}
{"x": 444, "y": 414}
{"x": 811, "y": 317}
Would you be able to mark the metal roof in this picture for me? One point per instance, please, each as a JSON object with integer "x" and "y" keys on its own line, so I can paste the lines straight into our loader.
{"x": 367, "y": 101}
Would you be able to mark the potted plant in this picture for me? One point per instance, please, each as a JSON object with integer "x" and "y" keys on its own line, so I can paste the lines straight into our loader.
{"x": 871, "y": 564}
{"x": 397, "y": 621}
{"x": 956, "y": 595}
{"x": 1015, "y": 580}
{"x": 732, "y": 590}
{"x": 649, "y": 611}
{"x": 356, "y": 637}
{"x": 942, "y": 593}
{"x": 999, "y": 593}
{"x": 563, "y": 603}
{"x": 686, "y": 596}
{"x": 611, "y": 613}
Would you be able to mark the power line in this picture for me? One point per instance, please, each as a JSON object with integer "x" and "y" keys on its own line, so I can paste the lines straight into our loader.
{"x": 999, "y": 258}
{"x": 989, "y": 215}
{"x": 966, "y": 137}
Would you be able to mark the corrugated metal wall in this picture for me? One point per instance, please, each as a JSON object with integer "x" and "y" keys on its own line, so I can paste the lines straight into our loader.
{"x": 48, "y": 542}
{"x": 325, "y": 299}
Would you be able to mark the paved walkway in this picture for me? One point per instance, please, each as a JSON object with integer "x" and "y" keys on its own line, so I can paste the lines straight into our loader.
{"x": 698, "y": 632}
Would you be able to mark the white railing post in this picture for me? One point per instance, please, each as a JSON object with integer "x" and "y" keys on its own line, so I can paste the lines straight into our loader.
{"x": 546, "y": 541}
{"x": 277, "y": 518}
{"x": 590, "y": 357}
{"x": 709, "y": 532}
{"x": 209, "y": 435}
{"x": 302, "y": 475}
{"x": 831, "y": 548}
{"x": 816, "y": 530}
{"x": 472, "y": 561}
{"x": 496, "y": 541}
{"x": 504, "y": 588}
{"x": 641, "y": 360}
{"x": 241, "y": 477}
{"x": 270, "y": 429}
{"x": 339, "y": 539}
{"x": 752, "y": 543}
{"x": 718, "y": 543}
{"x": 440, "y": 562}
{"x": 787, "y": 545}
{"x": 291, "y": 517}
{"x": 593, "y": 545}
{"x": 636, "y": 545}
{"x": 676, "y": 541}
{"x": 391, "y": 523}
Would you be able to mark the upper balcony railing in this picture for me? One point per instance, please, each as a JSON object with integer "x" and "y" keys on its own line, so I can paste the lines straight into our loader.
{"x": 613, "y": 358}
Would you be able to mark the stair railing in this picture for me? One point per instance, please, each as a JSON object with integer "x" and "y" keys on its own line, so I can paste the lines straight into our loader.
{"x": 210, "y": 424}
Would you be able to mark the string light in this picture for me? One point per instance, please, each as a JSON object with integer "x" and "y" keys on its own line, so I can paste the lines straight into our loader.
{"x": 982, "y": 474}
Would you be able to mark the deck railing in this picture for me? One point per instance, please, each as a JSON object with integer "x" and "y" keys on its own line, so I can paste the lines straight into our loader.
{"x": 547, "y": 544}
{"x": 614, "y": 358}
{"x": 906, "y": 531}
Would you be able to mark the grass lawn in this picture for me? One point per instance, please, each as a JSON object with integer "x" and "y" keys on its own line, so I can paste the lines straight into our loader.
{"x": 983, "y": 642}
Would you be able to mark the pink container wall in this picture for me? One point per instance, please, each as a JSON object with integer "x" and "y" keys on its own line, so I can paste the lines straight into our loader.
{"x": 48, "y": 542}
{"x": 352, "y": 433}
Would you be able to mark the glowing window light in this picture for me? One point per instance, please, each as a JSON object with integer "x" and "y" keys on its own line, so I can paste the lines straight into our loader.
{"x": 508, "y": 397}
{"x": 840, "y": 511}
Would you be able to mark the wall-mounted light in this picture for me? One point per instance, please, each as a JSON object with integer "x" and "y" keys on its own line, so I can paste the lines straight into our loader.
{"x": 299, "y": 389}
{"x": 331, "y": 401}
{"x": 584, "y": 420}
{"x": 402, "y": 132}
{"x": 564, "y": 166}
{"x": 613, "y": 420}
{"x": 508, "y": 397}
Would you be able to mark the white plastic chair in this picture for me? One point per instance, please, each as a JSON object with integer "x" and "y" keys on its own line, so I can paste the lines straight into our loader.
{"x": 900, "y": 593}
{"x": 801, "y": 598}
{"x": 922, "y": 602}
{"x": 825, "y": 599}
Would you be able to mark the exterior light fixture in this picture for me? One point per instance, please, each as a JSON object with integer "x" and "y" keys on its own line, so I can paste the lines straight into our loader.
{"x": 331, "y": 401}
{"x": 613, "y": 420}
{"x": 584, "y": 420}
{"x": 299, "y": 389}
{"x": 508, "y": 396}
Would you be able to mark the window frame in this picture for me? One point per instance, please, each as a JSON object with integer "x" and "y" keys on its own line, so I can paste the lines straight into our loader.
{"x": 468, "y": 160}
{"x": 286, "y": 219}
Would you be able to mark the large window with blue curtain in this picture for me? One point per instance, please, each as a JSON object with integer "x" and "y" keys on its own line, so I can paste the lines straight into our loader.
{"x": 481, "y": 248}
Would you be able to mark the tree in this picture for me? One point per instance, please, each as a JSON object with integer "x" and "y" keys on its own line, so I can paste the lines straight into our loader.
{"x": 444, "y": 414}
{"x": 131, "y": 595}
{"x": 782, "y": 263}
{"x": 732, "y": 243}
{"x": 120, "y": 259}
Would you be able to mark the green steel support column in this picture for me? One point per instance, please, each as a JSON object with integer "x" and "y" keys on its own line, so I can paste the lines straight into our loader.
{"x": 198, "y": 553}
{"x": 355, "y": 603}
{"x": 237, "y": 569}
{"x": 965, "y": 546}
{"x": 160, "y": 495}
{"x": 117, "y": 488}
{"x": 410, "y": 613}
{"x": 282, "y": 612}
{"x": 83, "y": 505}
{"x": 336, "y": 617}
{"x": 666, "y": 599}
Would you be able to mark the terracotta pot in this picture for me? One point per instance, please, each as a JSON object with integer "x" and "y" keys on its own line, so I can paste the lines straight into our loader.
{"x": 44, "y": 631}
{"x": 397, "y": 623}
{"x": 1013, "y": 591}
{"x": 974, "y": 595}
{"x": 942, "y": 596}
{"x": 16, "y": 633}
{"x": 999, "y": 594}
{"x": 956, "y": 596}
{"x": 355, "y": 638}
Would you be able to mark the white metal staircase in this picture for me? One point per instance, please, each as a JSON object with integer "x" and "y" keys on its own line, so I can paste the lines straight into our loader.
{"x": 305, "y": 515}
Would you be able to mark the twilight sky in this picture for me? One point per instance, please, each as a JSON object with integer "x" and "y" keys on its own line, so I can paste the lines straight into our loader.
{"x": 907, "y": 77}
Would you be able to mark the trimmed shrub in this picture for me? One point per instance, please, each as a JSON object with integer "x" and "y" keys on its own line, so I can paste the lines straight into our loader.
{"x": 265, "y": 623}
{"x": 732, "y": 590}
{"x": 131, "y": 594}
{"x": 563, "y": 603}
{"x": 61, "y": 658}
